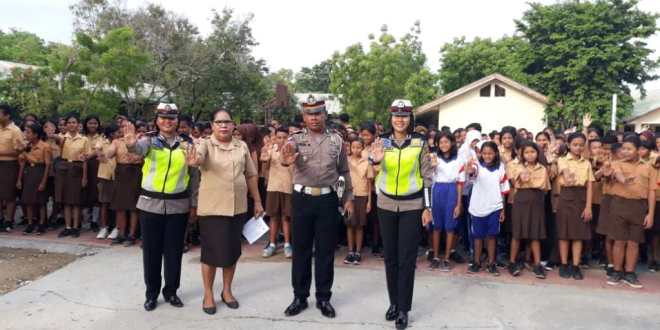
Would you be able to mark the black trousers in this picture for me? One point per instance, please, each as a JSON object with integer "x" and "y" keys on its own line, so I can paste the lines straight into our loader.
{"x": 162, "y": 239}
{"x": 401, "y": 232}
{"x": 315, "y": 221}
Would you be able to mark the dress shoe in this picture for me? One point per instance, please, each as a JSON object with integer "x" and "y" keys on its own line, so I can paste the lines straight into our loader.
{"x": 174, "y": 301}
{"x": 231, "y": 304}
{"x": 326, "y": 309}
{"x": 150, "y": 305}
{"x": 391, "y": 313}
{"x": 209, "y": 310}
{"x": 402, "y": 321}
{"x": 298, "y": 305}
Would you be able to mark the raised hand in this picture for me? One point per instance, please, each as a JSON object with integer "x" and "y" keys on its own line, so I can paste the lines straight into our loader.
{"x": 586, "y": 120}
{"x": 525, "y": 176}
{"x": 128, "y": 130}
{"x": 191, "y": 155}
{"x": 289, "y": 154}
{"x": 377, "y": 150}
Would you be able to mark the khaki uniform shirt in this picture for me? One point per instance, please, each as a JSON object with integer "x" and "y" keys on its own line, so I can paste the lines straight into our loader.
{"x": 361, "y": 174}
{"x": 579, "y": 168}
{"x": 280, "y": 178}
{"x": 538, "y": 176}
{"x": 645, "y": 180}
{"x": 39, "y": 153}
{"x": 106, "y": 168}
{"x": 74, "y": 147}
{"x": 321, "y": 162}
{"x": 225, "y": 168}
{"x": 11, "y": 141}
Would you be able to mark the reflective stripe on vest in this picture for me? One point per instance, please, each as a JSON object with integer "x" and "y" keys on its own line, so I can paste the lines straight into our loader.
{"x": 165, "y": 171}
{"x": 400, "y": 171}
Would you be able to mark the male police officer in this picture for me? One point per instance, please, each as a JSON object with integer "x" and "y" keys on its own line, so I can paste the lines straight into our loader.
{"x": 319, "y": 160}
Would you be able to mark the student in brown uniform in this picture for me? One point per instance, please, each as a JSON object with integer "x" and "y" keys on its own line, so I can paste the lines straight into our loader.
{"x": 593, "y": 247}
{"x": 71, "y": 175}
{"x": 278, "y": 195}
{"x": 128, "y": 175}
{"x": 361, "y": 177}
{"x": 608, "y": 150}
{"x": 227, "y": 169}
{"x": 632, "y": 210}
{"x": 91, "y": 130}
{"x": 11, "y": 144}
{"x": 654, "y": 232}
{"x": 574, "y": 213}
{"x": 105, "y": 176}
{"x": 33, "y": 177}
{"x": 530, "y": 177}
{"x": 50, "y": 129}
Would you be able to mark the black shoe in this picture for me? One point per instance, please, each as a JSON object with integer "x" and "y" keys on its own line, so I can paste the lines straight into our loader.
{"x": 150, "y": 305}
{"x": 391, "y": 313}
{"x": 117, "y": 241}
{"x": 565, "y": 271}
{"x": 514, "y": 270}
{"x": 130, "y": 241}
{"x": 539, "y": 271}
{"x": 298, "y": 305}
{"x": 473, "y": 268}
{"x": 41, "y": 229}
{"x": 375, "y": 250}
{"x": 231, "y": 304}
{"x": 174, "y": 301}
{"x": 94, "y": 227}
{"x": 210, "y": 310}
{"x": 349, "y": 258}
{"x": 357, "y": 258}
{"x": 577, "y": 273}
{"x": 492, "y": 269}
{"x": 615, "y": 278}
{"x": 29, "y": 229}
{"x": 64, "y": 233}
{"x": 434, "y": 264}
{"x": 456, "y": 257}
{"x": 609, "y": 270}
{"x": 75, "y": 232}
{"x": 653, "y": 266}
{"x": 401, "y": 321}
{"x": 632, "y": 281}
{"x": 326, "y": 309}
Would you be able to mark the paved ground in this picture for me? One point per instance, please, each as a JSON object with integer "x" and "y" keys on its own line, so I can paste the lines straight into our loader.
{"x": 104, "y": 290}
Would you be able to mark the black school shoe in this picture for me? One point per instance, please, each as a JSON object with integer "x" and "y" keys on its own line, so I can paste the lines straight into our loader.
{"x": 65, "y": 232}
{"x": 565, "y": 271}
{"x": 75, "y": 232}
{"x": 456, "y": 257}
{"x": 514, "y": 269}
{"x": 349, "y": 258}
{"x": 473, "y": 268}
{"x": 577, "y": 273}
{"x": 632, "y": 281}
{"x": 492, "y": 269}
{"x": 41, "y": 229}
{"x": 29, "y": 229}
{"x": 539, "y": 272}
{"x": 615, "y": 278}
{"x": 357, "y": 258}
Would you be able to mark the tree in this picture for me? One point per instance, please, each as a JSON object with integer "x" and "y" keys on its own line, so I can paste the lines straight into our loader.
{"x": 315, "y": 79}
{"x": 368, "y": 82}
{"x": 464, "y": 62}
{"x": 580, "y": 53}
{"x": 22, "y": 47}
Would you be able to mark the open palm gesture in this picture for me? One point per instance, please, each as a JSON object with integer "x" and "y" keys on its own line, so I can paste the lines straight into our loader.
{"x": 377, "y": 150}
{"x": 289, "y": 153}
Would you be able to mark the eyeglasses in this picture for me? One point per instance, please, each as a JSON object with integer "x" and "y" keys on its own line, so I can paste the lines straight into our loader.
{"x": 223, "y": 122}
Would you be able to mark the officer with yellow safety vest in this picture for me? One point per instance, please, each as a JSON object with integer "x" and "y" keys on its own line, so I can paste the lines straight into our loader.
{"x": 164, "y": 203}
{"x": 403, "y": 184}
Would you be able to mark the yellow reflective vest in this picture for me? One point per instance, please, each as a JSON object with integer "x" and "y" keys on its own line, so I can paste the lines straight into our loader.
{"x": 400, "y": 170}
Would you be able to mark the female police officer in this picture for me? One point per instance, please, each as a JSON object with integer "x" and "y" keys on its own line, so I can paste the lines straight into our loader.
{"x": 163, "y": 203}
{"x": 403, "y": 185}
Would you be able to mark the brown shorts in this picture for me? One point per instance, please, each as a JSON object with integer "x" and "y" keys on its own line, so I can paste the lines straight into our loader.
{"x": 570, "y": 225}
{"x": 278, "y": 204}
{"x": 604, "y": 220}
{"x": 8, "y": 178}
{"x": 359, "y": 218}
{"x": 627, "y": 217}
{"x": 106, "y": 190}
{"x": 656, "y": 220}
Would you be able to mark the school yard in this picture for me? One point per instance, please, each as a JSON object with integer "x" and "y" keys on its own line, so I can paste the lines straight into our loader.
{"x": 103, "y": 289}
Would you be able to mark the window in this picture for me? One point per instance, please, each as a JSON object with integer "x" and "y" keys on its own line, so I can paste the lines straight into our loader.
{"x": 499, "y": 91}
{"x": 485, "y": 92}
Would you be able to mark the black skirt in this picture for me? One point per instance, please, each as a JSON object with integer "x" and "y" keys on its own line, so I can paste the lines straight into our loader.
{"x": 127, "y": 187}
{"x": 32, "y": 176}
{"x": 221, "y": 239}
{"x": 528, "y": 216}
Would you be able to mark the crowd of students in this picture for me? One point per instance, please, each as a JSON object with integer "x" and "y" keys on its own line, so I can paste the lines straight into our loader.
{"x": 538, "y": 202}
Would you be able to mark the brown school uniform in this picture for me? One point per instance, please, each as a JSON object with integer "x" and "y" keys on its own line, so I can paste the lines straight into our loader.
{"x": 33, "y": 173}
{"x": 361, "y": 174}
{"x": 572, "y": 197}
{"x": 509, "y": 164}
{"x": 604, "y": 219}
{"x": 69, "y": 171}
{"x": 11, "y": 142}
{"x": 91, "y": 190}
{"x": 128, "y": 177}
{"x": 630, "y": 200}
{"x": 280, "y": 186}
{"x": 528, "y": 211}
{"x": 106, "y": 174}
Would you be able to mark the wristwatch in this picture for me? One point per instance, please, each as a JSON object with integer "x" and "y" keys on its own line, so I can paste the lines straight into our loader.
{"x": 372, "y": 161}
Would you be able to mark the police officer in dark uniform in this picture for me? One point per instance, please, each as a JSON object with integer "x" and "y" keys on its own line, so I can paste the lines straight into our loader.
{"x": 319, "y": 160}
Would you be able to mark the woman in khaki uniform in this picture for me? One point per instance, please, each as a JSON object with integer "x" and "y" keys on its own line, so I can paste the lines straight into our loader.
{"x": 228, "y": 170}
{"x": 33, "y": 177}
{"x": 71, "y": 175}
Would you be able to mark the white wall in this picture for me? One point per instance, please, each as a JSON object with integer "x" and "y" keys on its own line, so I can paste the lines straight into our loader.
{"x": 515, "y": 109}
{"x": 649, "y": 120}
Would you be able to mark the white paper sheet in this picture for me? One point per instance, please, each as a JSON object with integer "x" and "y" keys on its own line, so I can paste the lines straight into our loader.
{"x": 254, "y": 229}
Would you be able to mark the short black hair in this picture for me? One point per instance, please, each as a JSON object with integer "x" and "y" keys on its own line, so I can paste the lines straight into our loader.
{"x": 283, "y": 129}
{"x": 634, "y": 139}
{"x": 496, "y": 161}
{"x": 609, "y": 138}
{"x": 87, "y": 119}
{"x": 37, "y": 130}
{"x": 476, "y": 126}
{"x": 576, "y": 135}
{"x": 109, "y": 130}
{"x": 369, "y": 127}
{"x": 453, "y": 151}
{"x": 650, "y": 145}
{"x": 186, "y": 118}
{"x": 344, "y": 117}
{"x": 493, "y": 133}
{"x": 6, "y": 109}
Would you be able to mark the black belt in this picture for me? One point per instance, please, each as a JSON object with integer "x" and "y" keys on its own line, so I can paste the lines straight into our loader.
{"x": 159, "y": 195}
{"x": 416, "y": 195}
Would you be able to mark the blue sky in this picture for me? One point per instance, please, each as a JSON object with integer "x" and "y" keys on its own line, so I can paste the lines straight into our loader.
{"x": 282, "y": 26}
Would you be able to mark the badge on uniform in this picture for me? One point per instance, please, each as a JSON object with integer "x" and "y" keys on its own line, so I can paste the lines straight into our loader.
{"x": 387, "y": 143}
{"x": 416, "y": 142}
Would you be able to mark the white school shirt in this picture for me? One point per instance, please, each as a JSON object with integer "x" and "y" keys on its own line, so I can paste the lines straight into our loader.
{"x": 488, "y": 190}
{"x": 449, "y": 171}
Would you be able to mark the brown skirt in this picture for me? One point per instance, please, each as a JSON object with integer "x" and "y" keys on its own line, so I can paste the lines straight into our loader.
{"x": 278, "y": 204}
{"x": 195, "y": 177}
{"x": 570, "y": 225}
{"x": 91, "y": 190}
{"x": 604, "y": 218}
{"x": 106, "y": 190}
{"x": 68, "y": 183}
{"x": 8, "y": 177}
{"x": 221, "y": 239}
{"x": 127, "y": 187}
{"x": 656, "y": 220}
{"x": 628, "y": 219}
{"x": 359, "y": 218}
{"x": 528, "y": 214}
{"x": 32, "y": 176}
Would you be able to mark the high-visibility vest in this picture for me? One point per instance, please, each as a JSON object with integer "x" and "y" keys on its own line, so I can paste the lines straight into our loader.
{"x": 165, "y": 172}
{"x": 400, "y": 170}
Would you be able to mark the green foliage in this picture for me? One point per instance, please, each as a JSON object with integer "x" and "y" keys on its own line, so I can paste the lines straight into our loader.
{"x": 22, "y": 47}
{"x": 315, "y": 79}
{"x": 368, "y": 81}
{"x": 580, "y": 53}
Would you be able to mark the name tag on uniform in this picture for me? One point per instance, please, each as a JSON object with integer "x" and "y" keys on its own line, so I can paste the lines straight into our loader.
{"x": 387, "y": 144}
{"x": 416, "y": 142}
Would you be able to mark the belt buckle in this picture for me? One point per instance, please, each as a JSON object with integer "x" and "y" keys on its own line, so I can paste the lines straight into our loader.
{"x": 314, "y": 191}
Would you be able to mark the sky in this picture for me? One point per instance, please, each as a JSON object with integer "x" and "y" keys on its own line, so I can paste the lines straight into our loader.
{"x": 297, "y": 33}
